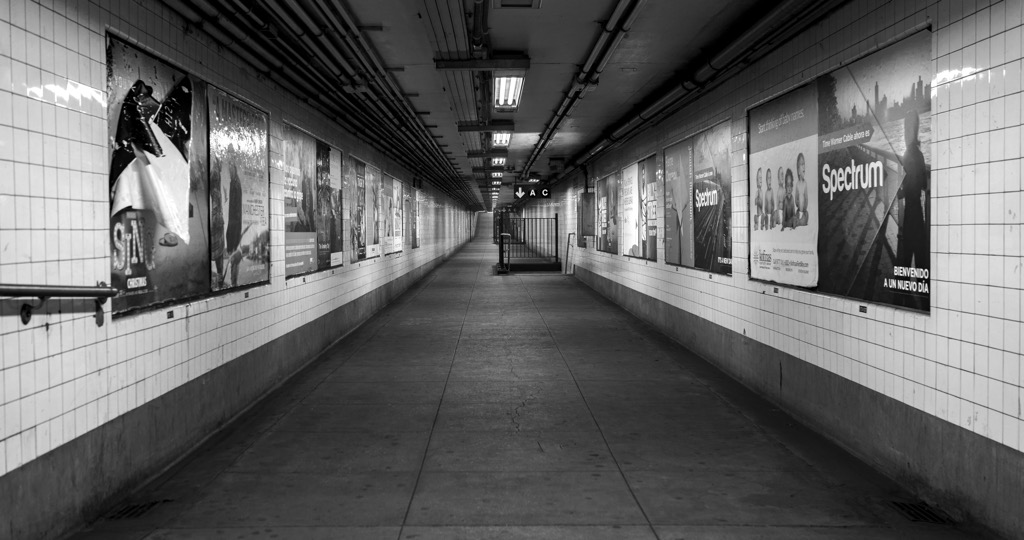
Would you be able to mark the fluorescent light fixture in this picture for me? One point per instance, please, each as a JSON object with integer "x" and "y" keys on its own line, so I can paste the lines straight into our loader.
{"x": 507, "y": 92}
{"x": 501, "y": 138}
{"x": 533, "y": 180}
{"x": 497, "y": 161}
{"x": 496, "y": 182}
{"x": 497, "y": 174}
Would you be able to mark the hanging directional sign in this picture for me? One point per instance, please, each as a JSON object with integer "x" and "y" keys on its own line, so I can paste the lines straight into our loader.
{"x": 531, "y": 191}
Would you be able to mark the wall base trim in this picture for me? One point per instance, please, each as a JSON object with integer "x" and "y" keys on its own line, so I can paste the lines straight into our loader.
{"x": 972, "y": 477}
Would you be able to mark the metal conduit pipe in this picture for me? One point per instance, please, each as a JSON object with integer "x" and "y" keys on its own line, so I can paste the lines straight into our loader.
{"x": 300, "y": 31}
{"x": 624, "y": 28}
{"x": 406, "y": 153}
{"x": 612, "y": 34}
{"x": 184, "y": 11}
{"x": 354, "y": 113}
{"x": 380, "y": 74}
{"x": 311, "y": 13}
{"x": 217, "y": 33}
{"x": 479, "y": 20}
{"x": 786, "y": 16}
{"x": 243, "y": 37}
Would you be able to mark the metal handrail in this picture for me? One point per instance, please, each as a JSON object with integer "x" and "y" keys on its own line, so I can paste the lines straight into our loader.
{"x": 100, "y": 293}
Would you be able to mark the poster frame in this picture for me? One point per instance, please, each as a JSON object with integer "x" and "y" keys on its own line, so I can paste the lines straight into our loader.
{"x": 664, "y": 212}
{"x": 316, "y": 138}
{"x": 659, "y": 160}
{"x": 616, "y": 174}
{"x": 270, "y": 120}
{"x": 811, "y": 79}
{"x": 126, "y": 39}
{"x": 285, "y": 124}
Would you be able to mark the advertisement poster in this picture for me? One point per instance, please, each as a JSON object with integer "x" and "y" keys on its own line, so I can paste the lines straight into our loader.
{"x": 629, "y": 201}
{"x": 373, "y": 220}
{"x": 358, "y": 211}
{"x": 648, "y": 178}
{"x": 387, "y": 195}
{"x": 398, "y": 215}
{"x": 608, "y": 214}
{"x": 330, "y": 239}
{"x": 415, "y": 218}
{"x": 783, "y": 204}
{"x": 712, "y": 200}
{"x": 874, "y": 127}
{"x": 239, "y": 193}
{"x": 157, "y": 128}
{"x": 300, "y": 170}
{"x": 678, "y": 210}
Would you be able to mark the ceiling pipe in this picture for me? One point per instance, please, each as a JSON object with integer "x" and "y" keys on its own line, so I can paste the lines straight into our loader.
{"x": 612, "y": 33}
{"x": 351, "y": 31}
{"x": 369, "y": 127}
{"x": 406, "y": 150}
{"x": 479, "y": 21}
{"x": 785, "y": 19}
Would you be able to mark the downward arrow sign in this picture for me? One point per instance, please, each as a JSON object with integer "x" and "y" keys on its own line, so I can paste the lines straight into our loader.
{"x": 520, "y": 193}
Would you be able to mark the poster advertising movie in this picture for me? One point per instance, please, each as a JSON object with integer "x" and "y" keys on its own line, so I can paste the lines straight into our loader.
{"x": 678, "y": 210}
{"x": 783, "y": 200}
{"x": 157, "y": 129}
{"x": 647, "y": 176}
{"x": 300, "y": 171}
{"x": 239, "y": 193}
{"x": 874, "y": 128}
{"x": 329, "y": 223}
{"x": 398, "y": 215}
{"x": 629, "y": 206}
{"x": 387, "y": 195}
{"x": 712, "y": 200}
{"x": 608, "y": 213}
{"x": 414, "y": 221}
{"x": 357, "y": 208}
{"x": 373, "y": 217}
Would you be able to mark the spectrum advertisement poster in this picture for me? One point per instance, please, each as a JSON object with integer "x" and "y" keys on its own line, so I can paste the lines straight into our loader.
{"x": 239, "y": 192}
{"x": 678, "y": 210}
{"x": 698, "y": 201}
{"x": 159, "y": 211}
{"x": 861, "y": 229}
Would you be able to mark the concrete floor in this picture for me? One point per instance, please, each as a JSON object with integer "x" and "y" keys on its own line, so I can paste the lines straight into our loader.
{"x": 520, "y": 406}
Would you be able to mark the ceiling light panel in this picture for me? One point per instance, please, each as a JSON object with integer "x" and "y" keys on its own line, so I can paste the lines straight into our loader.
{"x": 507, "y": 92}
{"x": 497, "y": 174}
{"x": 501, "y": 138}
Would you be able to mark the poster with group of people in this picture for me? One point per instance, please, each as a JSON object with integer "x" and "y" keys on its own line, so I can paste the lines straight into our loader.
{"x": 189, "y": 183}
{"x": 839, "y": 175}
{"x": 639, "y": 209}
{"x": 698, "y": 201}
{"x": 312, "y": 203}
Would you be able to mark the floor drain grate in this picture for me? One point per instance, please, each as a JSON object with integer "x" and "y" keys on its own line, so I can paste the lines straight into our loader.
{"x": 135, "y": 510}
{"x": 921, "y": 513}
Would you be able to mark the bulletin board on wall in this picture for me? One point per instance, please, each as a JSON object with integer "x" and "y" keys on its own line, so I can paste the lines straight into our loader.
{"x": 839, "y": 173}
{"x": 698, "y": 201}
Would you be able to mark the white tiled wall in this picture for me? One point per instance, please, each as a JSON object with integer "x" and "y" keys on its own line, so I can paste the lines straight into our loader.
{"x": 63, "y": 375}
{"x": 962, "y": 362}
